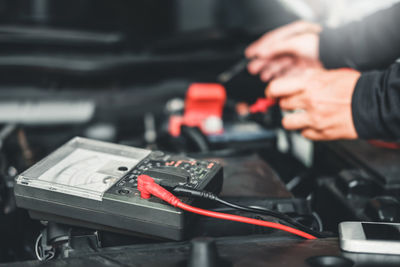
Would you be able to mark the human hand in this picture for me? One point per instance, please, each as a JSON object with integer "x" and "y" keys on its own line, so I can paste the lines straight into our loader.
{"x": 324, "y": 100}
{"x": 290, "y": 47}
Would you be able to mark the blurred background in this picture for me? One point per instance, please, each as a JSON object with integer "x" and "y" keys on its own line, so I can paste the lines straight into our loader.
{"x": 116, "y": 70}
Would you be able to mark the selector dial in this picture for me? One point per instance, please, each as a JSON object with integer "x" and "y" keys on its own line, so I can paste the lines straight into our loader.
{"x": 169, "y": 176}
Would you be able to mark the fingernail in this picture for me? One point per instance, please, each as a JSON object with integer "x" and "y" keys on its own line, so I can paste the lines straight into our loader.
{"x": 252, "y": 70}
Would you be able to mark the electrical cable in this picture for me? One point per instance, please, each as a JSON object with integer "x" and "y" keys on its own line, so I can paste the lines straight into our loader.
{"x": 234, "y": 70}
{"x": 231, "y": 217}
{"x": 41, "y": 253}
{"x": 148, "y": 188}
{"x": 188, "y": 192}
{"x": 196, "y": 137}
{"x": 318, "y": 220}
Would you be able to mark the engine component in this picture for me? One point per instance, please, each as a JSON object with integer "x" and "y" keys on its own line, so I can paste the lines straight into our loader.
{"x": 203, "y": 109}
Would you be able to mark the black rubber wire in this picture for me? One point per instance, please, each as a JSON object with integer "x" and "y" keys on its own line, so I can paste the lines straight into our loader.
{"x": 183, "y": 191}
{"x": 281, "y": 216}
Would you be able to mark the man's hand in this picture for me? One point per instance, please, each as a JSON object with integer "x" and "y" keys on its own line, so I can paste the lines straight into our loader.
{"x": 322, "y": 99}
{"x": 291, "y": 47}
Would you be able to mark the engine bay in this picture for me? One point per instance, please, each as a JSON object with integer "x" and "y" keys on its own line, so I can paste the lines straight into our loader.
{"x": 126, "y": 78}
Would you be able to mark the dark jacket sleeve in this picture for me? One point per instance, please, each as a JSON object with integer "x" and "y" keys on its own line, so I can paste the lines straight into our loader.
{"x": 372, "y": 43}
{"x": 376, "y": 104}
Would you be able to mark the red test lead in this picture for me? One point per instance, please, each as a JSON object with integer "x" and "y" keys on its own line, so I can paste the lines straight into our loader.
{"x": 148, "y": 188}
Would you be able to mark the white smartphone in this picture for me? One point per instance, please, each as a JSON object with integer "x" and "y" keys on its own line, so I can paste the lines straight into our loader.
{"x": 370, "y": 237}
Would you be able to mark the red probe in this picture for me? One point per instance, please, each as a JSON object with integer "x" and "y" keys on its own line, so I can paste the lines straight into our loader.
{"x": 262, "y": 105}
{"x": 148, "y": 188}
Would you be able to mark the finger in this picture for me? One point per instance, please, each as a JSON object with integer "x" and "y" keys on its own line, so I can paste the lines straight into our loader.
{"x": 294, "y": 71}
{"x": 285, "y": 86}
{"x": 277, "y": 35}
{"x": 275, "y": 67}
{"x": 289, "y": 46}
{"x": 253, "y": 49}
{"x": 266, "y": 74}
{"x": 293, "y": 102}
{"x": 296, "y": 121}
{"x": 256, "y": 65}
{"x": 296, "y": 27}
{"x": 325, "y": 134}
{"x": 302, "y": 66}
{"x": 313, "y": 134}
{"x": 268, "y": 50}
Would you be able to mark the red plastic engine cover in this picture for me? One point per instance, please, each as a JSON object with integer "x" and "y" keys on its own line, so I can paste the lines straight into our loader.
{"x": 203, "y": 100}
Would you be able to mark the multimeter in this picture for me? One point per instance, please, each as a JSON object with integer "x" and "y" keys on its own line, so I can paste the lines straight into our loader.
{"x": 93, "y": 184}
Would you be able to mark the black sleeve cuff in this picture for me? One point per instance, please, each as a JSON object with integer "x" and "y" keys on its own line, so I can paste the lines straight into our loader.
{"x": 365, "y": 115}
{"x": 375, "y": 104}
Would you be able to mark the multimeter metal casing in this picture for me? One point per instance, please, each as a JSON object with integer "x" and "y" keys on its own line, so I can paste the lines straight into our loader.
{"x": 93, "y": 184}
